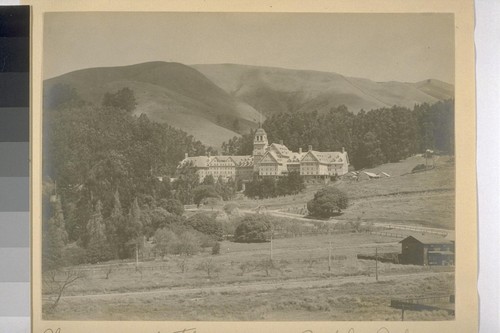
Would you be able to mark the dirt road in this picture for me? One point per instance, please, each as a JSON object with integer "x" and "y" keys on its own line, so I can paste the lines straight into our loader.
{"x": 258, "y": 287}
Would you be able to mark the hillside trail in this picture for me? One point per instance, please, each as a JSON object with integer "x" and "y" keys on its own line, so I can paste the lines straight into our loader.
{"x": 298, "y": 217}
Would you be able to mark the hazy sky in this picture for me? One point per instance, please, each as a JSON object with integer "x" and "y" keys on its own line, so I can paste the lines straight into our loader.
{"x": 381, "y": 47}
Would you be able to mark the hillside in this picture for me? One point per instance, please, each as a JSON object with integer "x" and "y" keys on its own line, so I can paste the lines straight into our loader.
{"x": 168, "y": 92}
{"x": 217, "y": 102}
{"x": 274, "y": 90}
{"x": 424, "y": 199}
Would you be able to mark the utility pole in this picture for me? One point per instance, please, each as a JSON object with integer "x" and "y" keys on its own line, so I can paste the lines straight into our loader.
{"x": 402, "y": 312}
{"x": 271, "y": 252}
{"x": 329, "y": 253}
{"x": 136, "y": 255}
{"x": 376, "y": 263}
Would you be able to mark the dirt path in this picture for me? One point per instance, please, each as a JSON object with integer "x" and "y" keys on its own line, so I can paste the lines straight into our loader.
{"x": 258, "y": 287}
{"x": 277, "y": 213}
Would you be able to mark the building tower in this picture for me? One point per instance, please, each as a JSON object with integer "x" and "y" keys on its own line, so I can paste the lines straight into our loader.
{"x": 260, "y": 145}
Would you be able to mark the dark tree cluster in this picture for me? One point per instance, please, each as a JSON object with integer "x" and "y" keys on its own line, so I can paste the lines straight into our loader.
{"x": 371, "y": 138}
{"x": 106, "y": 176}
{"x": 269, "y": 187}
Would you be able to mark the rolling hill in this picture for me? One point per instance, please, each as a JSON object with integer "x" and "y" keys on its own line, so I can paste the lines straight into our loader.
{"x": 168, "y": 92}
{"x": 217, "y": 102}
{"x": 274, "y": 90}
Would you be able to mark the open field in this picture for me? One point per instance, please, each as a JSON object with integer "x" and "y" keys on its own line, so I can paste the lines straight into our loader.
{"x": 299, "y": 285}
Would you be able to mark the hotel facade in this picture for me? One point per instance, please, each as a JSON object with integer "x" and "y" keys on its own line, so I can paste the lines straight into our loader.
{"x": 270, "y": 160}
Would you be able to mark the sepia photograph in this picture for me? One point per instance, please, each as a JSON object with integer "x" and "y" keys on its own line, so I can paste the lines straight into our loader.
{"x": 239, "y": 166}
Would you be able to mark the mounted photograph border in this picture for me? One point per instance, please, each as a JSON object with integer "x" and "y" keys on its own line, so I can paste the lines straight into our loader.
{"x": 466, "y": 311}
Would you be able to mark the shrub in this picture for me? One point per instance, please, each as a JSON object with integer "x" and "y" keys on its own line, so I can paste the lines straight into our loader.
{"x": 172, "y": 206}
{"x": 418, "y": 168}
{"x": 230, "y": 208}
{"x": 188, "y": 244}
{"x": 252, "y": 229}
{"x": 216, "y": 248}
{"x": 327, "y": 202}
{"x": 207, "y": 224}
{"x": 165, "y": 241}
{"x": 202, "y": 192}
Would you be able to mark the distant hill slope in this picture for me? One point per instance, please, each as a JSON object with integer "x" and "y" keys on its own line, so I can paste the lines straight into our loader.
{"x": 274, "y": 90}
{"x": 169, "y": 92}
{"x": 217, "y": 102}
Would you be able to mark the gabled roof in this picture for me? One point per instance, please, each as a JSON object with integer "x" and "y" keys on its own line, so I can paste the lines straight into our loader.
{"x": 295, "y": 157}
{"x": 220, "y": 158}
{"x": 328, "y": 157}
{"x": 281, "y": 149}
{"x": 243, "y": 161}
{"x": 428, "y": 239}
{"x": 196, "y": 161}
{"x": 275, "y": 157}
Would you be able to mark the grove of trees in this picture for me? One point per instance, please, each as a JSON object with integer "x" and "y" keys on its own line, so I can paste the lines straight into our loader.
{"x": 102, "y": 171}
{"x": 269, "y": 187}
{"x": 370, "y": 137}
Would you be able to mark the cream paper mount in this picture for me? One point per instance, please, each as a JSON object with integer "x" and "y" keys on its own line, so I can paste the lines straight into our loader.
{"x": 287, "y": 56}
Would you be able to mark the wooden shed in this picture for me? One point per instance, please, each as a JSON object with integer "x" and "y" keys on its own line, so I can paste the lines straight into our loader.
{"x": 427, "y": 250}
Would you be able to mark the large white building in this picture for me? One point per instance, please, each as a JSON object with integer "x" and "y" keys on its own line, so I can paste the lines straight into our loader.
{"x": 270, "y": 160}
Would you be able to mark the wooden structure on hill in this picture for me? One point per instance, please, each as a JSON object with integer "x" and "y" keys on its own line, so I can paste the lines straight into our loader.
{"x": 427, "y": 250}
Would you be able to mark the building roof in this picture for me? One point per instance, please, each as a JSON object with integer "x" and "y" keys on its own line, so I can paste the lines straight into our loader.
{"x": 196, "y": 161}
{"x": 205, "y": 161}
{"x": 281, "y": 149}
{"x": 442, "y": 252}
{"x": 429, "y": 239}
{"x": 243, "y": 161}
{"x": 295, "y": 157}
{"x": 328, "y": 157}
{"x": 260, "y": 131}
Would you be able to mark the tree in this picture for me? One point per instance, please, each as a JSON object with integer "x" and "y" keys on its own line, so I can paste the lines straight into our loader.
{"x": 208, "y": 180}
{"x": 204, "y": 191}
{"x": 54, "y": 238}
{"x": 56, "y": 282}
{"x": 98, "y": 247}
{"x": 123, "y": 99}
{"x": 209, "y": 267}
{"x": 172, "y": 206}
{"x": 188, "y": 244}
{"x": 216, "y": 248}
{"x": 206, "y": 224}
{"x": 327, "y": 202}
{"x": 252, "y": 229}
{"x": 165, "y": 242}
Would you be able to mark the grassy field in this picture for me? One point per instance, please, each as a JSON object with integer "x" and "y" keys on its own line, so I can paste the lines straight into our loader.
{"x": 422, "y": 199}
{"x": 300, "y": 285}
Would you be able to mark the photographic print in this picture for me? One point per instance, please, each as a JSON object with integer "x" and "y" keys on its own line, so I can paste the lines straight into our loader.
{"x": 248, "y": 167}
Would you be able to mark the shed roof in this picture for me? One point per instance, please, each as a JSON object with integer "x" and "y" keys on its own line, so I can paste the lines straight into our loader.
{"x": 428, "y": 239}
{"x": 449, "y": 253}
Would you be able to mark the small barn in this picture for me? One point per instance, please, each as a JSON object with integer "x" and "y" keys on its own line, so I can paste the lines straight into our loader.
{"x": 427, "y": 250}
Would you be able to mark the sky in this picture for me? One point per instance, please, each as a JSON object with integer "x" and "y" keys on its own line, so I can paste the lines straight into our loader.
{"x": 380, "y": 47}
